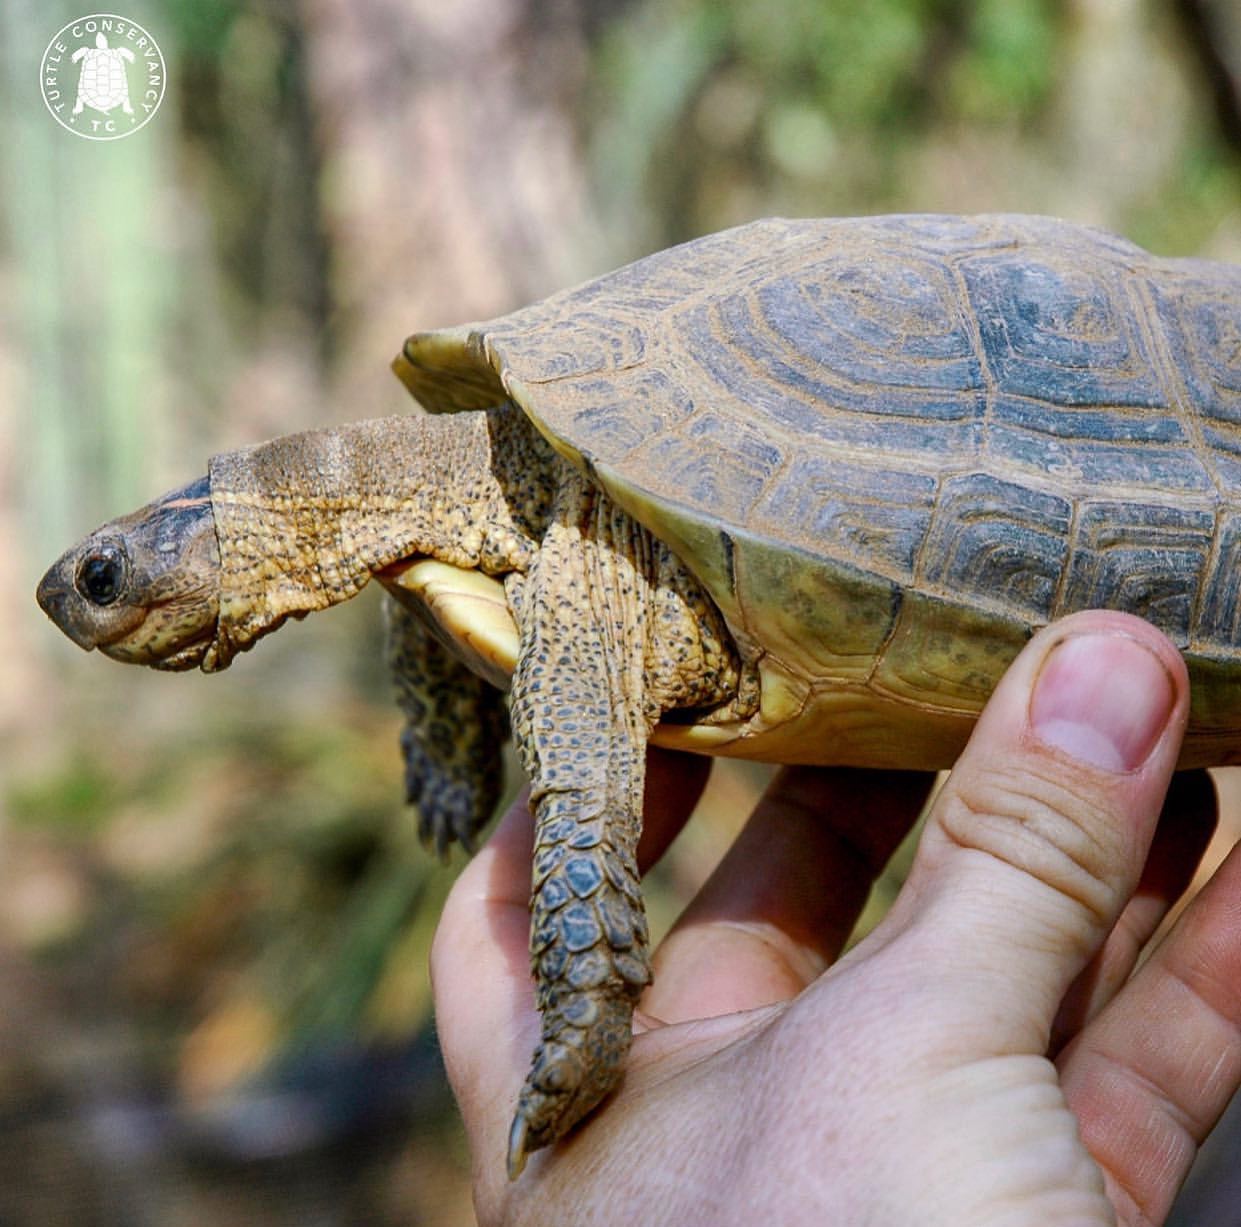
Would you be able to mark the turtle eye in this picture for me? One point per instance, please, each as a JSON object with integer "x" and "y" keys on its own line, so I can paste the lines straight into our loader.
{"x": 102, "y": 574}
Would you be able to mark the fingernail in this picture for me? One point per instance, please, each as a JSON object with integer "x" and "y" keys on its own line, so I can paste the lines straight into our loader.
{"x": 1104, "y": 699}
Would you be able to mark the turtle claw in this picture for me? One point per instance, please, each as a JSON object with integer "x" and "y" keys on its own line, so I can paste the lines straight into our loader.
{"x": 452, "y": 808}
{"x": 518, "y": 1150}
{"x": 536, "y": 1123}
{"x": 569, "y": 1076}
{"x": 455, "y": 724}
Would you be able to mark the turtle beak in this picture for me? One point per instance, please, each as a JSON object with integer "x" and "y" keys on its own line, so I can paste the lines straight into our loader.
{"x": 58, "y": 600}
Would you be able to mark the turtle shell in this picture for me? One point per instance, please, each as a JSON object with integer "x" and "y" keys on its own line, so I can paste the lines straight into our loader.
{"x": 103, "y": 83}
{"x": 891, "y": 448}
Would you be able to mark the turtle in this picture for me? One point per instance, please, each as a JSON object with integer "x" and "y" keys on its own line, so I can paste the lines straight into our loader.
{"x": 798, "y": 491}
{"x": 103, "y": 83}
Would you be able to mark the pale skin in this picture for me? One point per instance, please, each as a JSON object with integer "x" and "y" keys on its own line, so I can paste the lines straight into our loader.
{"x": 988, "y": 1055}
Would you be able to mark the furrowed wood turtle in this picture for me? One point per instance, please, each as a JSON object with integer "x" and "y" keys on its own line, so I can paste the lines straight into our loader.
{"x": 798, "y": 491}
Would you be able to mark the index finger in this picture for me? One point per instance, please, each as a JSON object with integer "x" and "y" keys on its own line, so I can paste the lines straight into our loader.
{"x": 781, "y": 904}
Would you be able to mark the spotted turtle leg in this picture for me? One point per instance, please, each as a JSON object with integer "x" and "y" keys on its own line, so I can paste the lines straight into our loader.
{"x": 581, "y": 723}
{"x": 455, "y": 726}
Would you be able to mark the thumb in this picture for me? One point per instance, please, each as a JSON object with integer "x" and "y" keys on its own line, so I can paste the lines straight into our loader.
{"x": 1038, "y": 837}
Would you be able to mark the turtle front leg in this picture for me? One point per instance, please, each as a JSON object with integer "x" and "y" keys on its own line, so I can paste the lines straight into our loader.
{"x": 613, "y": 633}
{"x": 582, "y": 714}
{"x": 455, "y": 725}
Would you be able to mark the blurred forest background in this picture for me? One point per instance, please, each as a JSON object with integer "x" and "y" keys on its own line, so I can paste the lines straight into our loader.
{"x": 213, "y": 913}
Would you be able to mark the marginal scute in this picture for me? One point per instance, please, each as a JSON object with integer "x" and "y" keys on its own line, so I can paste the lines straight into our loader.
{"x": 1215, "y": 709}
{"x": 447, "y": 372}
{"x": 826, "y": 620}
{"x": 784, "y": 695}
{"x": 946, "y": 655}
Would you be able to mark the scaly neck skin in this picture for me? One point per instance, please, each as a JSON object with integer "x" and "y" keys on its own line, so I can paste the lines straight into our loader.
{"x": 304, "y": 521}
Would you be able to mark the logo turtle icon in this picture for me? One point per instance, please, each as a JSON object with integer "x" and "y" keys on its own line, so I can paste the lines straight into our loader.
{"x": 120, "y": 78}
{"x": 103, "y": 83}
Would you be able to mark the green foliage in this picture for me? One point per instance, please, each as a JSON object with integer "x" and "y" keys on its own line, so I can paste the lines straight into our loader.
{"x": 1007, "y": 68}
{"x": 201, "y": 30}
{"x": 275, "y": 856}
{"x": 811, "y": 97}
{"x": 77, "y": 798}
{"x": 1198, "y": 196}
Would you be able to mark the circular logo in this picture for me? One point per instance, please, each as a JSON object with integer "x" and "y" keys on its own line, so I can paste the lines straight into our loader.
{"x": 102, "y": 77}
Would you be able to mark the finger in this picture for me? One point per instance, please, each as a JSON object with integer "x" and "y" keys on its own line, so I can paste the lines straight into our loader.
{"x": 784, "y": 899}
{"x": 1152, "y": 1074}
{"x": 484, "y": 996}
{"x": 1188, "y": 822}
{"x": 480, "y": 979}
{"x": 1037, "y": 839}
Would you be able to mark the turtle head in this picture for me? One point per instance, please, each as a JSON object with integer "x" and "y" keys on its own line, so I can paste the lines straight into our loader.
{"x": 144, "y": 588}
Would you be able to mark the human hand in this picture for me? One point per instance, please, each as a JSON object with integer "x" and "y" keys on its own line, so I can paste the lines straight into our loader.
{"x": 987, "y": 1055}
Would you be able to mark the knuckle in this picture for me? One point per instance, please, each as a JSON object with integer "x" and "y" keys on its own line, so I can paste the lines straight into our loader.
{"x": 1051, "y": 829}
